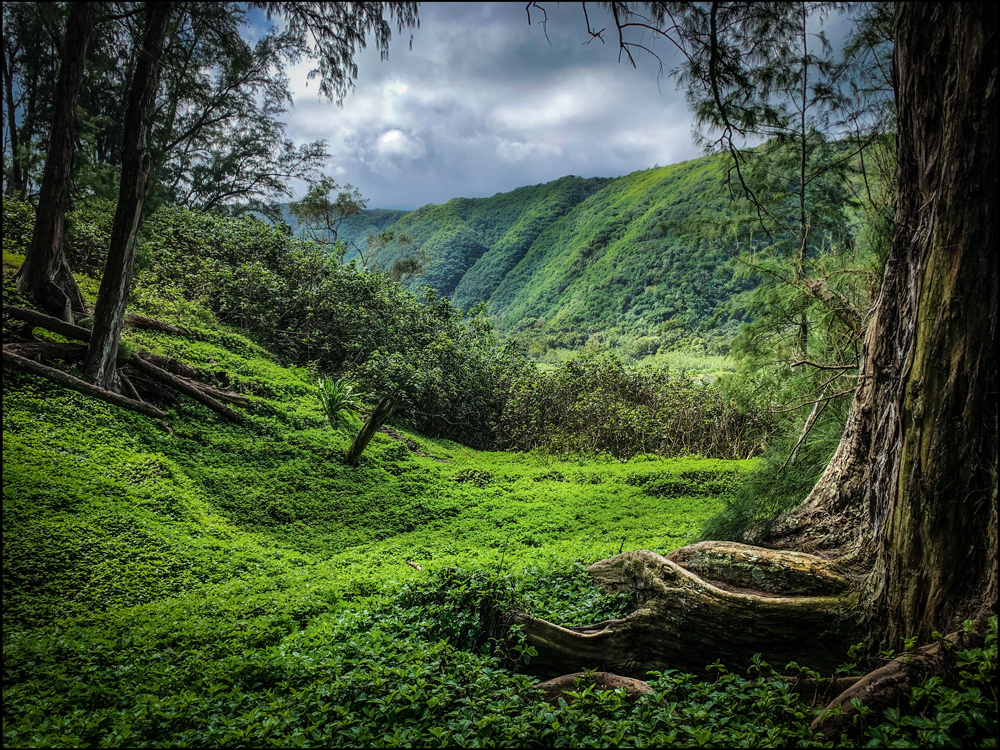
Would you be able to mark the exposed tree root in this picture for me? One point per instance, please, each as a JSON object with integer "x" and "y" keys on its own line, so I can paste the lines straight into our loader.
{"x": 684, "y": 621}
{"x": 58, "y": 376}
{"x": 552, "y": 690}
{"x": 883, "y": 687}
{"x": 164, "y": 370}
{"x": 771, "y": 571}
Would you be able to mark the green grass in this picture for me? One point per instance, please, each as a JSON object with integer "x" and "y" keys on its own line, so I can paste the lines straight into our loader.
{"x": 224, "y": 585}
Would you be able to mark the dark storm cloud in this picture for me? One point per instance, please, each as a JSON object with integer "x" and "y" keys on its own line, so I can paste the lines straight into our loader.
{"x": 484, "y": 103}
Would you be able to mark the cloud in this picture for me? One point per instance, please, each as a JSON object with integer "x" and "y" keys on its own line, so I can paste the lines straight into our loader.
{"x": 484, "y": 104}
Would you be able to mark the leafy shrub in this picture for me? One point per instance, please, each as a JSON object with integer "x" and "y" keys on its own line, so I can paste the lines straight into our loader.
{"x": 338, "y": 399}
{"x": 594, "y": 403}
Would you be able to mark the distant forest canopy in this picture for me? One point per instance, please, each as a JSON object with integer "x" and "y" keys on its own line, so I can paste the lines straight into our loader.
{"x": 648, "y": 257}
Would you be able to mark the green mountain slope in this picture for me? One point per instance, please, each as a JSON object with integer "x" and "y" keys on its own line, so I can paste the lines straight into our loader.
{"x": 578, "y": 256}
{"x": 474, "y": 243}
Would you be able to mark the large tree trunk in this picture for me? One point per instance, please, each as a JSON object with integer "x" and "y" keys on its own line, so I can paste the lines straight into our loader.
{"x": 911, "y": 493}
{"x": 914, "y": 481}
{"x": 42, "y": 275}
{"x": 109, "y": 314}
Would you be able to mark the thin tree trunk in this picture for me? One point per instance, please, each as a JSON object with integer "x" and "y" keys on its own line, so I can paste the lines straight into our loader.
{"x": 16, "y": 184}
{"x": 109, "y": 314}
{"x": 41, "y": 275}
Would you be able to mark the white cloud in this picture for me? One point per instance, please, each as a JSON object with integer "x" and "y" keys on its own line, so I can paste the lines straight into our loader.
{"x": 484, "y": 104}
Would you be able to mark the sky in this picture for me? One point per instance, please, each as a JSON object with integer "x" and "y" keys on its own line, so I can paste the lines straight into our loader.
{"x": 484, "y": 104}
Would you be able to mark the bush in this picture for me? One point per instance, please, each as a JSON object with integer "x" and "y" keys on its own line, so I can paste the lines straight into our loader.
{"x": 594, "y": 403}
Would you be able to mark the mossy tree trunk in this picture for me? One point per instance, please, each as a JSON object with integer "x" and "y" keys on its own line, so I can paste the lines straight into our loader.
{"x": 910, "y": 497}
{"x": 913, "y": 484}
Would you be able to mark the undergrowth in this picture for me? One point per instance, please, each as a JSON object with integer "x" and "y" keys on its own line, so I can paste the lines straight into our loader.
{"x": 224, "y": 585}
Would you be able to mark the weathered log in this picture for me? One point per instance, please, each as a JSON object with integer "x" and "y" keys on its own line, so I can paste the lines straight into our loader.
{"x": 187, "y": 387}
{"x": 82, "y": 386}
{"x": 144, "y": 321}
{"x": 47, "y": 322}
{"x": 172, "y": 365}
{"x": 685, "y": 622}
{"x": 187, "y": 372}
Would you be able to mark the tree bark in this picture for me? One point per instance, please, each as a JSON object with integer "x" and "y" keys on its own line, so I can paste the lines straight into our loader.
{"x": 112, "y": 299}
{"x": 914, "y": 481}
{"x": 41, "y": 275}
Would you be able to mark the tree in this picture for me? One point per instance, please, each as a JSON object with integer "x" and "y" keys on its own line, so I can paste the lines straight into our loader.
{"x": 321, "y": 214}
{"x": 909, "y": 501}
{"x": 337, "y": 28}
{"x": 109, "y": 313}
{"x": 44, "y": 275}
{"x": 32, "y": 49}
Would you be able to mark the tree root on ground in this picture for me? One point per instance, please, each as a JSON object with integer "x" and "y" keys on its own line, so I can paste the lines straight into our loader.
{"x": 684, "y": 621}
{"x": 157, "y": 370}
{"x": 727, "y": 602}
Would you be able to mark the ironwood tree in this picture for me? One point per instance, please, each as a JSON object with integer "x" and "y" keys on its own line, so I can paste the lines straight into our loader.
{"x": 44, "y": 276}
{"x": 899, "y": 537}
{"x": 100, "y": 364}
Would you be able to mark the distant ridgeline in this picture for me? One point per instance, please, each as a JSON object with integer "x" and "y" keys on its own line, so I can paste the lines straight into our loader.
{"x": 576, "y": 256}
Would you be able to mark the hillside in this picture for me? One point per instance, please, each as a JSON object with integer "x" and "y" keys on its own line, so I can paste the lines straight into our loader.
{"x": 194, "y": 581}
{"x": 575, "y": 256}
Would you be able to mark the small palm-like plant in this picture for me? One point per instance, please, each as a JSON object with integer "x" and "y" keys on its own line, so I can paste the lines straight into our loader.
{"x": 338, "y": 399}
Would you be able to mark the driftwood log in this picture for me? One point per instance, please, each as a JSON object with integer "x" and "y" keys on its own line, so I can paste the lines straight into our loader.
{"x": 686, "y": 619}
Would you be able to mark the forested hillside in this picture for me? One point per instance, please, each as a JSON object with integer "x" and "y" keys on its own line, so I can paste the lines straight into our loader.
{"x": 575, "y": 256}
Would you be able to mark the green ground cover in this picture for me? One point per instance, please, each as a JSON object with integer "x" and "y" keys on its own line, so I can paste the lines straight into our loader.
{"x": 222, "y": 585}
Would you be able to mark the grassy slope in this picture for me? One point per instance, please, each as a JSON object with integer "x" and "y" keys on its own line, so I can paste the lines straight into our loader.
{"x": 240, "y": 586}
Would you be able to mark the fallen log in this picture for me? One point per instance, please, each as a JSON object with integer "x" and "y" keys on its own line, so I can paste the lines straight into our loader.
{"x": 49, "y": 323}
{"x": 552, "y": 690}
{"x": 187, "y": 387}
{"x": 683, "y": 621}
{"x": 153, "y": 324}
{"x": 190, "y": 373}
{"x": 172, "y": 365}
{"x": 67, "y": 380}
{"x": 67, "y": 351}
{"x": 46, "y": 350}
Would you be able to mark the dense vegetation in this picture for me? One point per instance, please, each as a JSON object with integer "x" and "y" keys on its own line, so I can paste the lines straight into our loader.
{"x": 177, "y": 573}
{"x": 458, "y": 381}
{"x": 223, "y": 584}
